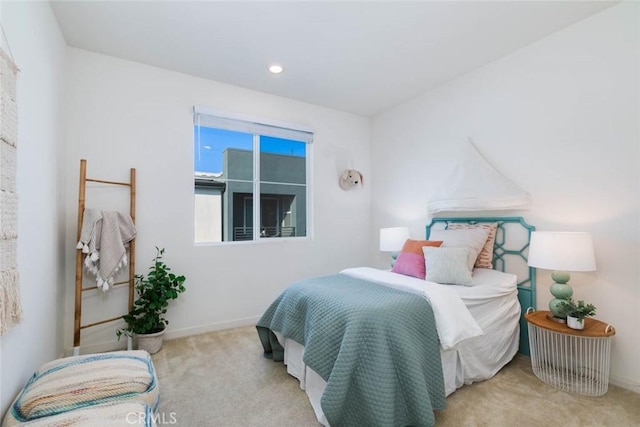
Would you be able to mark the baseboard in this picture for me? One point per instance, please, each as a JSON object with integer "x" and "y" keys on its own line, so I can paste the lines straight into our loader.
{"x": 102, "y": 347}
{"x": 626, "y": 383}
{"x": 171, "y": 334}
{"x": 212, "y": 327}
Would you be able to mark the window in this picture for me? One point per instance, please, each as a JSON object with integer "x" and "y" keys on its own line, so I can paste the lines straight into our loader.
{"x": 251, "y": 178}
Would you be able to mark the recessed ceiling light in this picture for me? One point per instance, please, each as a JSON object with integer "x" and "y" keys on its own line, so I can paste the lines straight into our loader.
{"x": 276, "y": 69}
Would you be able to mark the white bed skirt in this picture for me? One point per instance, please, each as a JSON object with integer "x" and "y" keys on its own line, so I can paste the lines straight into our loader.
{"x": 475, "y": 359}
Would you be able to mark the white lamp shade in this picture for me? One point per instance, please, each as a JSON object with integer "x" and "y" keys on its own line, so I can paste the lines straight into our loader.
{"x": 562, "y": 251}
{"x": 392, "y": 239}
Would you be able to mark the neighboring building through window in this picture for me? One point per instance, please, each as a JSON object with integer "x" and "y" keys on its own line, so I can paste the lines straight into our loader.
{"x": 242, "y": 167}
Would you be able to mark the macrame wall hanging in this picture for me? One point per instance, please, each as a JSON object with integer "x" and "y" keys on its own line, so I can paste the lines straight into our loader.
{"x": 10, "y": 308}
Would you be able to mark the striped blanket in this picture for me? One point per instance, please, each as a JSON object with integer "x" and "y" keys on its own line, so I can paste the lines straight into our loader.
{"x": 80, "y": 382}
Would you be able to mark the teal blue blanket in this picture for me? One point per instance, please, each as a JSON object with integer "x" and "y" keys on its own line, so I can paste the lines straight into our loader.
{"x": 376, "y": 347}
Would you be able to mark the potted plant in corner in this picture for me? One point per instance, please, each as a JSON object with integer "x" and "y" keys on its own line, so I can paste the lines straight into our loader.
{"x": 576, "y": 312}
{"x": 146, "y": 319}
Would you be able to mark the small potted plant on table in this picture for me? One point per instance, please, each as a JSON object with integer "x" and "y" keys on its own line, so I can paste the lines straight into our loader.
{"x": 576, "y": 312}
{"x": 146, "y": 319}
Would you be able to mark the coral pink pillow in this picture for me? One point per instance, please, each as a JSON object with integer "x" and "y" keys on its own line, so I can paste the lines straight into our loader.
{"x": 410, "y": 260}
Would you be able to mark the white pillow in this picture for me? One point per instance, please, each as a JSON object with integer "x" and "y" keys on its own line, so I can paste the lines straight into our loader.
{"x": 447, "y": 265}
{"x": 473, "y": 239}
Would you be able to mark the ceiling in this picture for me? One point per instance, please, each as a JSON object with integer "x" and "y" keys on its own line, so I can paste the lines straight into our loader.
{"x": 361, "y": 56}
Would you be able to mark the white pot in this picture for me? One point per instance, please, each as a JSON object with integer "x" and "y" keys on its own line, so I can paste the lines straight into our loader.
{"x": 152, "y": 343}
{"x": 574, "y": 323}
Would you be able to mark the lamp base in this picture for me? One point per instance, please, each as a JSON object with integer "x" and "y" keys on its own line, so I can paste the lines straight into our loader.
{"x": 550, "y": 316}
{"x": 561, "y": 290}
{"x": 394, "y": 258}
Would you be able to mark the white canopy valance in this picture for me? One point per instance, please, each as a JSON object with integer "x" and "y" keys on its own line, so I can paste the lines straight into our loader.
{"x": 475, "y": 185}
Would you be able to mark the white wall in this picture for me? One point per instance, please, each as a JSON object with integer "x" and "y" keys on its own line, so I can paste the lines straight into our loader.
{"x": 39, "y": 50}
{"x": 123, "y": 114}
{"x": 561, "y": 119}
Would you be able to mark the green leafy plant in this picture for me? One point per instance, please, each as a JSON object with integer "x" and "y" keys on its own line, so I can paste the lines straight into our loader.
{"x": 579, "y": 310}
{"x": 154, "y": 293}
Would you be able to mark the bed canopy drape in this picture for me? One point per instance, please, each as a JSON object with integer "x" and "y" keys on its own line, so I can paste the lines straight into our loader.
{"x": 474, "y": 185}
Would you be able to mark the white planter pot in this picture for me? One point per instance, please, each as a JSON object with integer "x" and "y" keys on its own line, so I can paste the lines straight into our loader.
{"x": 574, "y": 323}
{"x": 152, "y": 343}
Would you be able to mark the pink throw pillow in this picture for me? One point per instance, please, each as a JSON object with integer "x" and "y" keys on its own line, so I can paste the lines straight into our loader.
{"x": 410, "y": 261}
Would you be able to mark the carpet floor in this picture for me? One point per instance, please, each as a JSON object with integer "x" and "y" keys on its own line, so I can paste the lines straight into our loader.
{"x": 221, "y": 379}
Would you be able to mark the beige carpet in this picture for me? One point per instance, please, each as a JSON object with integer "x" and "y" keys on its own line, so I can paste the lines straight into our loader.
{"x": 221, "y": 379}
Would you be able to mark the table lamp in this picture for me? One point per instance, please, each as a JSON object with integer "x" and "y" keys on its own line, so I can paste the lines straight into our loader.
{"x": 392, "y": 239}
{"x": 561, "y": 252}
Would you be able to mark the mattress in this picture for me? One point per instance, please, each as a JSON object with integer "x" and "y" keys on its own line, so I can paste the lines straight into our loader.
{"x": 491, "y": 299}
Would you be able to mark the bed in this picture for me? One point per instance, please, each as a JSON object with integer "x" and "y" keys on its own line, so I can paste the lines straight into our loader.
{"x": 392, "y": 357}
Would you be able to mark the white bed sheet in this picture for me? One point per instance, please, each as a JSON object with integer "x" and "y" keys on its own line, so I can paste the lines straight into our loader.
{"x": 454, "y": 322}
{"x": 493, "y": 303}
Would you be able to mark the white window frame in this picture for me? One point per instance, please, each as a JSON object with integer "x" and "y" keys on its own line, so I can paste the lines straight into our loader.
{"x": 258, "y": 127}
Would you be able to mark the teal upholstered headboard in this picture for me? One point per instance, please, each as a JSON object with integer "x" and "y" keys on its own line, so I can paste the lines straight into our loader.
{"x": 509, "y": 255}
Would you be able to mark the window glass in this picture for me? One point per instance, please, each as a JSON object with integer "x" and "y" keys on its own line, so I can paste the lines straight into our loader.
{"x": 226, "y": 165}
{"x": 282, "y": 187}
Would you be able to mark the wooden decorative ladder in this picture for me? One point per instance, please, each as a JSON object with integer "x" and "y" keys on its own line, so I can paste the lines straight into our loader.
{"x": 78, "y": 326}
